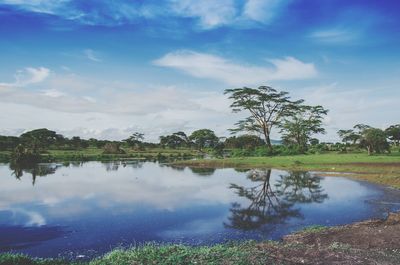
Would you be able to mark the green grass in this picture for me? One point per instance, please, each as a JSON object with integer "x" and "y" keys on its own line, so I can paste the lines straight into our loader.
{"x": 313, "y": 229}
{"x": 383, "y": 169}
{"x": 240, "y": 253}
{"x": 314, "y": 161}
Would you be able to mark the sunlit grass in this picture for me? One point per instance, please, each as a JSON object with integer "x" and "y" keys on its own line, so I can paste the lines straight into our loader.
{"x": 230, "y": 253}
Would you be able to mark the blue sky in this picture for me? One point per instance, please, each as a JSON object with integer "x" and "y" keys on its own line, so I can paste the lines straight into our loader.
{"x": 109, "y": 68}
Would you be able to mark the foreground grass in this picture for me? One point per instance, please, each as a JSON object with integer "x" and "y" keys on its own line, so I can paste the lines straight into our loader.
{"x": 243, "y": 253}
{"x": 382, "y": 169}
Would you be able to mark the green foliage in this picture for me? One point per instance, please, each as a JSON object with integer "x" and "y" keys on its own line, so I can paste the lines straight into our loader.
{"x": 279, "y": 150}
{"x": 393, "y": 133}
{"x": 204, "y": 138}
{"x": 41, "y": 139}
{"x": 348, "y": 136}
{"x": 8, "y": 142}
{"x": 113, "y": 148}
{"x": 374, "y": 140}
{"x": 299, "y": 127}
{"x": 246, "y": 141}
{"x": 175, "y": 140}
{"x": 23, "y": 155}
{"x": 267, "y": 108}
{"x": 135, "y": 140}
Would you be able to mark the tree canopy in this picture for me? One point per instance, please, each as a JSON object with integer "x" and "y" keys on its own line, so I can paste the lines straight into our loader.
{"x": 301, "y": 125}
{"x": 204, "y": 138}
{"x": 267, "y": 108}
{"x": 393, "y": 133}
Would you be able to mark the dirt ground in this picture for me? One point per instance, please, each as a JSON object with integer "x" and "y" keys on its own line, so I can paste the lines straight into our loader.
{"x": 368, "y": 242}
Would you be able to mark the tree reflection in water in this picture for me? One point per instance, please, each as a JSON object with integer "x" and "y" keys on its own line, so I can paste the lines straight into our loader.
{"x": 273, "y": 204}
{"x": 115, "y": 165}
{"x": 300, "y": 187}
{"x": 41, "y": 170}
{"x": 34, "y": 170}
{"x": 202, "y": 171}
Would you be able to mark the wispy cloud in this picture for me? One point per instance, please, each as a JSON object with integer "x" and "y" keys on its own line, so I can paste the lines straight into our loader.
{"x": 209, "y": 13}
{"x": 352, "y": 26}
{"x": 336, "y": 35}
{"x": 29, "y": 75}
{"x": 203, "y": 65}
{"x": 91, "y": 55}
{"x": 263, "y": 10}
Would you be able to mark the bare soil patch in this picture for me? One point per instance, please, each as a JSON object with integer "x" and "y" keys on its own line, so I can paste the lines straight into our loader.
{"x": 368, "y": 242}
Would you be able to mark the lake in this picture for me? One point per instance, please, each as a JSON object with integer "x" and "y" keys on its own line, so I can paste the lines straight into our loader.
{"x": 86, "y": 209}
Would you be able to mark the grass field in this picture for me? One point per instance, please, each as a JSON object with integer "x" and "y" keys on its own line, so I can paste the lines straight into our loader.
{"x": 382, "y": 169}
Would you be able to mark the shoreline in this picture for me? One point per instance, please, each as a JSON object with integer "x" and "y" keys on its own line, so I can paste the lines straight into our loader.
{"x": 374, "y": 241}
{"x": 384, "y": 170}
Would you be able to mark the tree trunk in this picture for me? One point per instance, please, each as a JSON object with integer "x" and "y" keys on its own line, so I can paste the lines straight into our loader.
{"x": 267, "y": 139}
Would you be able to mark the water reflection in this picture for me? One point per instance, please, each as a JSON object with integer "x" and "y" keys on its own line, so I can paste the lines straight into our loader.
{"x": 272, "y": 204}
{"x": 203, "y": 171}
{"x": 300, "y": 187}
{"x": 19, "y": 237}
{"x": 106, "y": 204}
{"x": 37, "y": 170}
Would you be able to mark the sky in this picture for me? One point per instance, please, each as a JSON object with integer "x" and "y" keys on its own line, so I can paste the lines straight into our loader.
{"x": 106, "y": 69}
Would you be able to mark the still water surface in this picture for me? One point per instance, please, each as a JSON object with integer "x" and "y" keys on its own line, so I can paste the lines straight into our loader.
{"x": 90, "y": 208}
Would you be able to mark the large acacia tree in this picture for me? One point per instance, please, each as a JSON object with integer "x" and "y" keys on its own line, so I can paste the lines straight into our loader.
{"x": 267, "y": 107}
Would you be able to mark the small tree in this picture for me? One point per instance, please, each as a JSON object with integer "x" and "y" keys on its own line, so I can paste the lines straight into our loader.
{"x": 112, "y": 148}
{"x": 393, "y": 133}
{"x": 374, "y": 140}
{"x": 178, "y": 139}
{"x": 348, "y": 136}
{"x": 204, "y": 138}
{"x": 267, "y": 108}
{"x": 135, "y": 140}
{"x": 299, "y": 128}
{"x": 40, "y": 139}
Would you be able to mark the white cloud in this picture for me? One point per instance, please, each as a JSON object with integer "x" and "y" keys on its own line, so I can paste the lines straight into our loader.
{"x": 209, "y": 12}
{"x": 88, "y": 108}
{"x": 53, "y": 93}
{"x": 263, "y": 10}
{"x": 91, "y": 55}
{"x": 28, "y": 76}
{"x": 203, "y": 65}
{"x": 335, "y": 35}
{"x": 347, "y": 107}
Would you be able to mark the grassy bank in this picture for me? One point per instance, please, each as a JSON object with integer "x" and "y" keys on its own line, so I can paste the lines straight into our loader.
{"x": 383, "y": 169}
{"x": 243, "y": 253}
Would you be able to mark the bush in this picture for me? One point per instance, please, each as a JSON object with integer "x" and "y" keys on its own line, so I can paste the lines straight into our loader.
{"x": 112, "y": 148}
